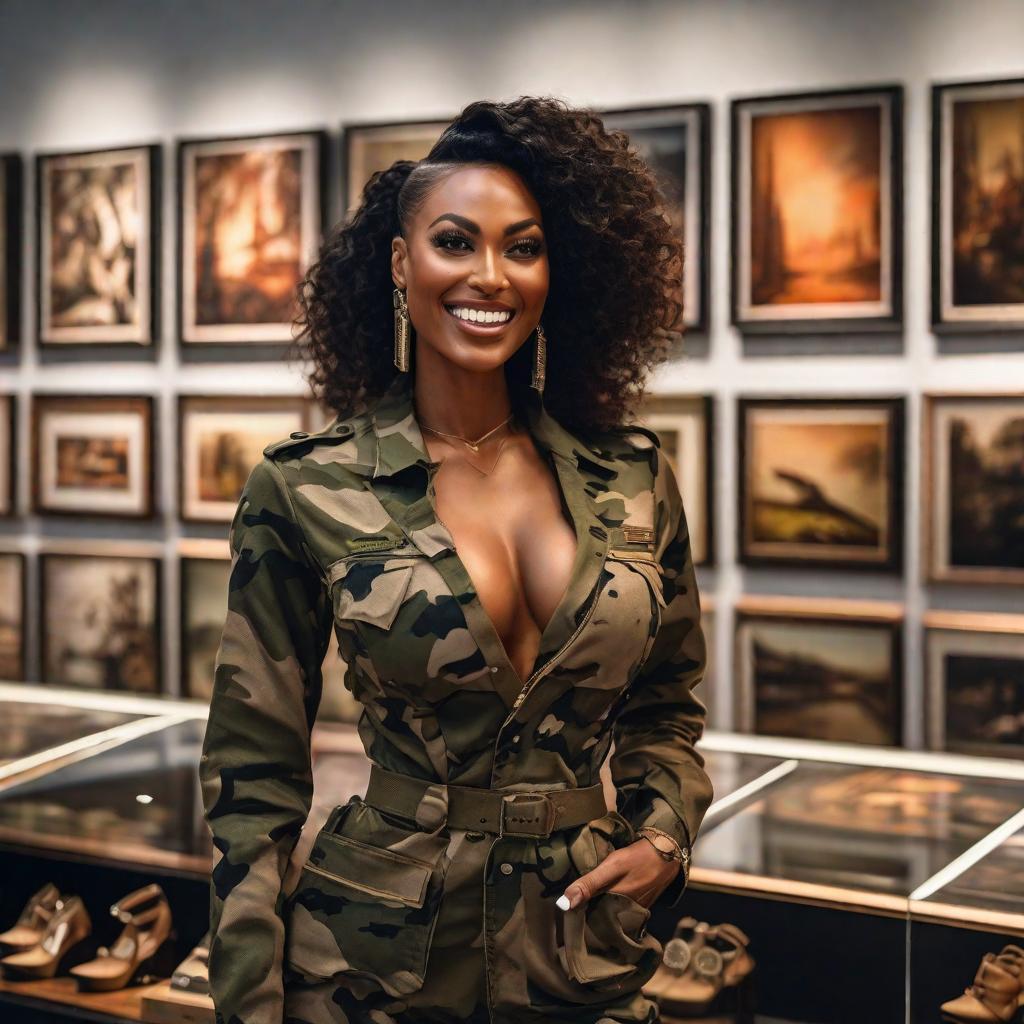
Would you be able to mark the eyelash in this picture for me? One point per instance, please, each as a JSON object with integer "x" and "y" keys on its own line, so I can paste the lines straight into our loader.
{"x": 441, "y": 238}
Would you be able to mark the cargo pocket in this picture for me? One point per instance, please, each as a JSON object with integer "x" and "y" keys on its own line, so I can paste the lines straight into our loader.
{"x": 361, "y": 907}
{"x": 371, "y": 587}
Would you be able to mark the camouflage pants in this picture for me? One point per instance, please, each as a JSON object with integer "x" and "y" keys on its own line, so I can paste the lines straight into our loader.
{"x": 389, "y": 924}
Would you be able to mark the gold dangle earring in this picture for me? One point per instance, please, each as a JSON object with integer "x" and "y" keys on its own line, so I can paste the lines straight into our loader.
{"x": 540, "y": 360}
{"x": 403, "y": 332}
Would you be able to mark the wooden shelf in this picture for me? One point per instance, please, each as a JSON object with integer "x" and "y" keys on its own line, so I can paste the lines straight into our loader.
{"x": 123, "y": 1005}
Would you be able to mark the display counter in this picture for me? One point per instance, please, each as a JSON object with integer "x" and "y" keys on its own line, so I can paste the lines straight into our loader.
{"x": 828, "y": 858}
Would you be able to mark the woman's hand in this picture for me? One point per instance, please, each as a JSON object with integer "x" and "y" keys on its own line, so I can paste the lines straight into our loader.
{"x": 637, "y": 870}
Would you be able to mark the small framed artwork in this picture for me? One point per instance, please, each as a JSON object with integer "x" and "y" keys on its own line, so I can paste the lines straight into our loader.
{"x": 93, "y": 455}
{"x": 977, "y": 175}
{"x": 821, "y": 482}
{"x": 220, "y": 439}
{"x": 820, "y": 669}
{"x": 368, "y": 148}
{"x": 974, "y": 673}
{"x": 675, "y": 142}
{"x": 204, "y": 575}
{"x": 8, "y": 427}
{"x": 251, "y": 216}
{"x": 973, "y": 488}
{"x": 99, "y": 618}
{"x": 12, "y": 616}
{"x": 817, "y": 211}
{"x": 685, "y": 426}
{"x": 10, "y": 250}
{"x": 97, "y": 230}
{"x": 707, "y": 689}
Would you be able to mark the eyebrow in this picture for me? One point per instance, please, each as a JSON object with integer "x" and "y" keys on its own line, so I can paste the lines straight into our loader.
{"x": 474, "y": 229}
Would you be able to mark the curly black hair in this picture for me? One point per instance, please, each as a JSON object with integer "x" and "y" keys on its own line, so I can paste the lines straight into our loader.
{"x": 614, "y": 305}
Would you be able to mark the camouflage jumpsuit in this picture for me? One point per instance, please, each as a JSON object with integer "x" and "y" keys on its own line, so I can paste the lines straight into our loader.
{"x": 401, "y": 920}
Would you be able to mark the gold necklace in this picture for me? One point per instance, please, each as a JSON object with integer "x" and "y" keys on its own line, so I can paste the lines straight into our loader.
{"x": 473, "y": 445}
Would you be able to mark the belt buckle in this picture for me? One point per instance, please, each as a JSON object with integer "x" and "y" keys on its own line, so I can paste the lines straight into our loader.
{"x": 516, "y": 801}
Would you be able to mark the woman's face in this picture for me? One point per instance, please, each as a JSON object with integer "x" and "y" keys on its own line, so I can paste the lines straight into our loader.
{"x": 474, "y": 252}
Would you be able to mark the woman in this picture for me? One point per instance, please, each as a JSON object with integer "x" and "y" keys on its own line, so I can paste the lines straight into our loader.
{"x": 508, "y": 572}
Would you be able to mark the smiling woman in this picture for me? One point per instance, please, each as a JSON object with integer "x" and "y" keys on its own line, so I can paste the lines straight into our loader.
{"x": 506, "y": 565}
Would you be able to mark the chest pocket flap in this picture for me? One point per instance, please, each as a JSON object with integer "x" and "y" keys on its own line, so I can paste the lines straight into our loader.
{"x": 371, "y": 587}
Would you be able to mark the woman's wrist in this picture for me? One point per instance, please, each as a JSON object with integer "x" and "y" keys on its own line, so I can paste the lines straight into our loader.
{"x": 665, "y": 844}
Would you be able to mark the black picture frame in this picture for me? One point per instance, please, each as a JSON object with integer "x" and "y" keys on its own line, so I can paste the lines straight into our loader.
{"x": 222, "y": 346}
{"x": 159, "y": 671}
{"x": 150, "y": 157}
{"x": 894, "y": 409}
{"x": 888, "y": 317}
{"x": 947, "y": 315}
{"x": 11, "y": 195}
{"x": 8, "y": 462}
{"x": 696, "y": 117}
{"x": 144, "y": 405}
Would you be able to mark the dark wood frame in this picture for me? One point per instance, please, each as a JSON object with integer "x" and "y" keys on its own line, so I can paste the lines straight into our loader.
{"x": 702, "y": 111}
{"x": 159, "y": 668}
{"x": 154, "y": 158}
{"x": 11, "y": 176}
{"x": 707, "y": 402}
{"x": 895, "y": 406}
{"x": 351, "y": 128}
{"x": 229, "y": 403}
{"x": 22, "y": 562}
{"x": 893, "y": 95}
{"x": 1011, "y": 576}
{"x": 182, "y": 145}
{"x": 939, "y": 324}
{"x": 9, "y": 463}
{"x": 185, "y": 690}
{"x": 822, "y": 612}
{"x": 936, "y": 691}
{"x": 142, "y": 404}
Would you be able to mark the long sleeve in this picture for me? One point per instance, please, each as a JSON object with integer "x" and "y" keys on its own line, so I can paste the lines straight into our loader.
{"x": 658, "y": 773}
{"x": 255, "y": 768}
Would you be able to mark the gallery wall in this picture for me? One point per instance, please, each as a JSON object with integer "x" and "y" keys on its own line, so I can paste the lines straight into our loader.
{"x": 100, "y": 75}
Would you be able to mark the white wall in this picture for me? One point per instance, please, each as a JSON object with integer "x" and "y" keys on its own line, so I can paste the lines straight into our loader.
{"x": 112, "y": 72}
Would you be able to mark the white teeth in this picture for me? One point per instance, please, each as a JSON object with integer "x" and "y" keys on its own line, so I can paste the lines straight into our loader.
{"x": 479, "y": 316}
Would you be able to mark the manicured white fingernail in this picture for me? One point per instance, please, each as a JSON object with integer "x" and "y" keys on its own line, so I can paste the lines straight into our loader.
{"x": 562, "y": 902}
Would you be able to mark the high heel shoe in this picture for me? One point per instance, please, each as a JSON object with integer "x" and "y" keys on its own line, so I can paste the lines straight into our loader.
{"x": 68, "y": 925}
{"x": 146, "y": 917}
{"x": 32, "y": 921}
{"x": 193, "y": 973}
{"x": 996, "y": 994}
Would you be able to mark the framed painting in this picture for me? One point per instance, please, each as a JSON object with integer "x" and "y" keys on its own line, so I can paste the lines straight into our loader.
{"x": 821, "y": 482}
{"x": 973, "y": 488}
{"x": 8, "y": 475}
{"x": 97, "y": 240}
{"x": 974, "y": 674}
{"x": 93, "y": 455}
{"x": 367, "y": 148}
{"x": 204, "y": 570}
{"x": 99, "y": 618}
{"x": 685, "y": 426}
{"x": 817, "y": 211}
{"x": 10, "y": 250}
{"x": 707, "y": 689}
{"x": 13, "y": 595}
{"x": 977, "y": 204}
{"x": 220, "y": 439}
{"x": 250, "y": 217}
{"x": 675, "y": 142}
{"x": 819, "y": 669}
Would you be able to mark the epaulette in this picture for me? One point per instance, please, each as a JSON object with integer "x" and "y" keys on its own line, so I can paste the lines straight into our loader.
{"x": 636, "y": 428}
{"x": 302, "y": 440}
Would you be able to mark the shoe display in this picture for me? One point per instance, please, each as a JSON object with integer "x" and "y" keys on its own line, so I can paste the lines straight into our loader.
{"x": 698, "y": 963}
{"x": 32, "y": 921}
{"x": 192, "y": 974}
{"x": 68, "y": 925}
{"x": 997, "y": 992}
{"x": 146, "y": 917}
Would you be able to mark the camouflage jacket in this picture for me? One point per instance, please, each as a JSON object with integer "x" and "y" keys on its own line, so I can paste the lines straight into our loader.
{"x": 337, "y": 530}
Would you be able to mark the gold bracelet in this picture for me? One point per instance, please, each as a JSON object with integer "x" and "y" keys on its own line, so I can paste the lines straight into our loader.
{"x": 676, "y": 853}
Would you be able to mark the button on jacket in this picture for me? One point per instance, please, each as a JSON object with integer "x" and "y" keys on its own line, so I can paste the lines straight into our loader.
{"x": 401, "y": 919}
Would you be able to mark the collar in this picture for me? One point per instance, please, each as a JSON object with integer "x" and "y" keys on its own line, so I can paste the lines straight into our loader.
{"x": 399, "y": 442}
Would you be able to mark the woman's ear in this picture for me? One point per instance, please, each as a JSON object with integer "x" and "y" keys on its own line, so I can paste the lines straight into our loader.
{"x": 399, "y": 254}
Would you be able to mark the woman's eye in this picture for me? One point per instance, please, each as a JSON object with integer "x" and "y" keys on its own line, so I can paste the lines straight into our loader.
{"x": 527, "y": 247}
{"x": 444, "y": 239}
{"x": 453, "y": 241}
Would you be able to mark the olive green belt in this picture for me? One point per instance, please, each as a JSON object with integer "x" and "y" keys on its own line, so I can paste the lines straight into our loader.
{"x": 535, "y": 813}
